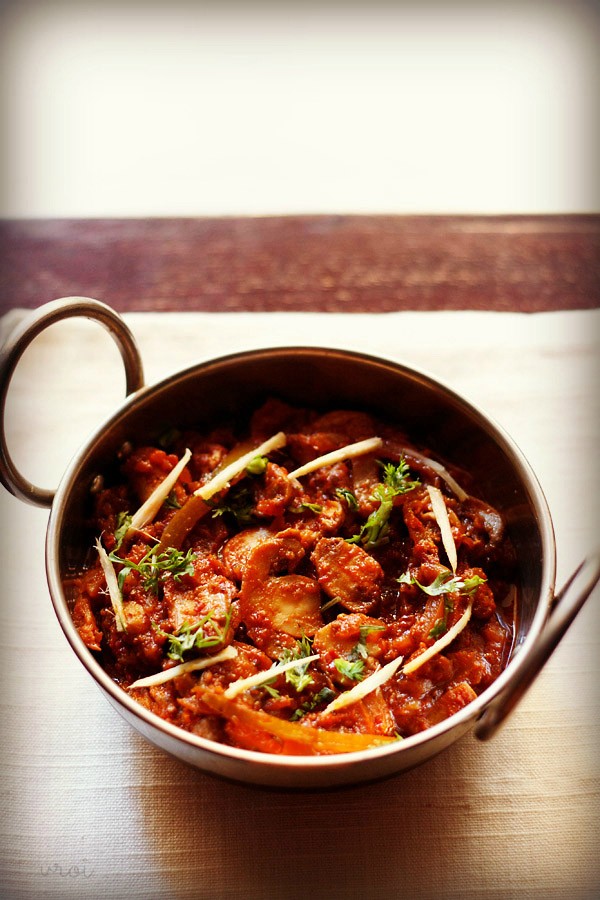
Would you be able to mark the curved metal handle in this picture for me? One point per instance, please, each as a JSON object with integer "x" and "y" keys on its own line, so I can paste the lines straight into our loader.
{"x": 567, "y": 604}
{"x": 15, "y": 346}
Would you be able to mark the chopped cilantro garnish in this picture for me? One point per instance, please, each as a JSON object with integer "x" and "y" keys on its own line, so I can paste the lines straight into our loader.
{"x": 240, "y": 504}
{"x": 441, "y": 626}
{"x": 353, "y": 664}
{"x": 396, "y": 478}
{"x": 323, "y": 696}
{"x": 123, "y": 525}
{"x": 395, "y": 482}
{"x": 312, "y": 507}
{"x": 172, "y": 502}
{"x": 201, "y": 635}
{"x": 348, "y": 496}
{"x": 298, "y": 677}
{"x": 445, "y": 583}
{"x": 330, "y": 603}
{"x": 364, "y": 631}
{"x": 154, "y": 568}
{"x": 352, "y": 669}
{"x": 374, "y": 531}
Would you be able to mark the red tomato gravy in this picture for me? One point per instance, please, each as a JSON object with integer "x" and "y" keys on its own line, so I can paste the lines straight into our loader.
{"x": 347, "y": 563}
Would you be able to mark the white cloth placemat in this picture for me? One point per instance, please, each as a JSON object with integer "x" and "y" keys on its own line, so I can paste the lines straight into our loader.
{"x": 90, "y": 810}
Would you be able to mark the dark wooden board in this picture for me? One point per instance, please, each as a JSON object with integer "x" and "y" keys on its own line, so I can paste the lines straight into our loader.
{"x": 328, "y": 263}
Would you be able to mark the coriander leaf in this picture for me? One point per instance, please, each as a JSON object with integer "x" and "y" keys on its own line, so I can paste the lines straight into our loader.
{"x": 154, "y": 568}
{"x": 312, "y": 507}
{"x": 323, "y": 696}
{"x": 298, "y": 677}
{"x": 471, "y": 584}
{"x": 201, "y": 635}
{"x": 445, "y": 583}
{"x": 172, "y": 502}
{"x": 352, "y": 666}
{"x": 240, "y": 504}
{"x": 273, "y": 692}
{"x": 330, "y": 603}
{"x": 397, "y": 477}
{"x": 440, "y": 628}
{"x": 395, "y": 482}
{"x": 373, "y": 532}
{"x": 123, "y": 524}
{"x": 352, "y": 669}
{"x": 348, "y": 496}
{"x": 360, "y": 649}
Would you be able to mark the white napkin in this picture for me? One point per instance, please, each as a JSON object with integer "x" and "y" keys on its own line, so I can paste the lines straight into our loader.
{"x": 92, "y": 810}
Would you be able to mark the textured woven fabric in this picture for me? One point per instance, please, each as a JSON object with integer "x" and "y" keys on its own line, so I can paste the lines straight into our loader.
{"x": 91, "y": 810}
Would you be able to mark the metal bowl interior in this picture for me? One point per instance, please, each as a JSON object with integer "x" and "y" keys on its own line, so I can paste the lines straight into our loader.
{"x": 230, "y": 388}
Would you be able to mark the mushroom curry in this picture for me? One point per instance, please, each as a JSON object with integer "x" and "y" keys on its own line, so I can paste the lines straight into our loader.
{"x": 317, "y": 585}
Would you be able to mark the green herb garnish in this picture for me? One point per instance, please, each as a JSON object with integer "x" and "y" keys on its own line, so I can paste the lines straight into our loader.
{"x": 441, "y": 626}
{"x": 360, "y": 649}
{"x": 298, "y": 677}
{"x": 154, "y": 568}
{"x": 374, "y": 531}
{"x": 445, "y": 584}
{"x": 240, "y": 505}
{"x": 330, "y": 603}
{"x": 311, "y": 507}
{"x": 172, "y": 502}
{"x": 323, "y": 696}
{"x": 396, "y": 478}
{"x": 353, "y": 664}
{"x": 348, "y": 496}
{"x": 351, "y": 668}
{"x": 201, "y": 635}
{"x": 396, "y": 481}
{"x": 123, "y": 524}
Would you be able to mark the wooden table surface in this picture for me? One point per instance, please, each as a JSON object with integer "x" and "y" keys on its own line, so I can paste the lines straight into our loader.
{"x": 323, "y": 263}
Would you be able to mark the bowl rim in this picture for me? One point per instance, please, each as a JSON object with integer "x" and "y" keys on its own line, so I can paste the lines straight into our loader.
{"x": 469, "y": 713}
